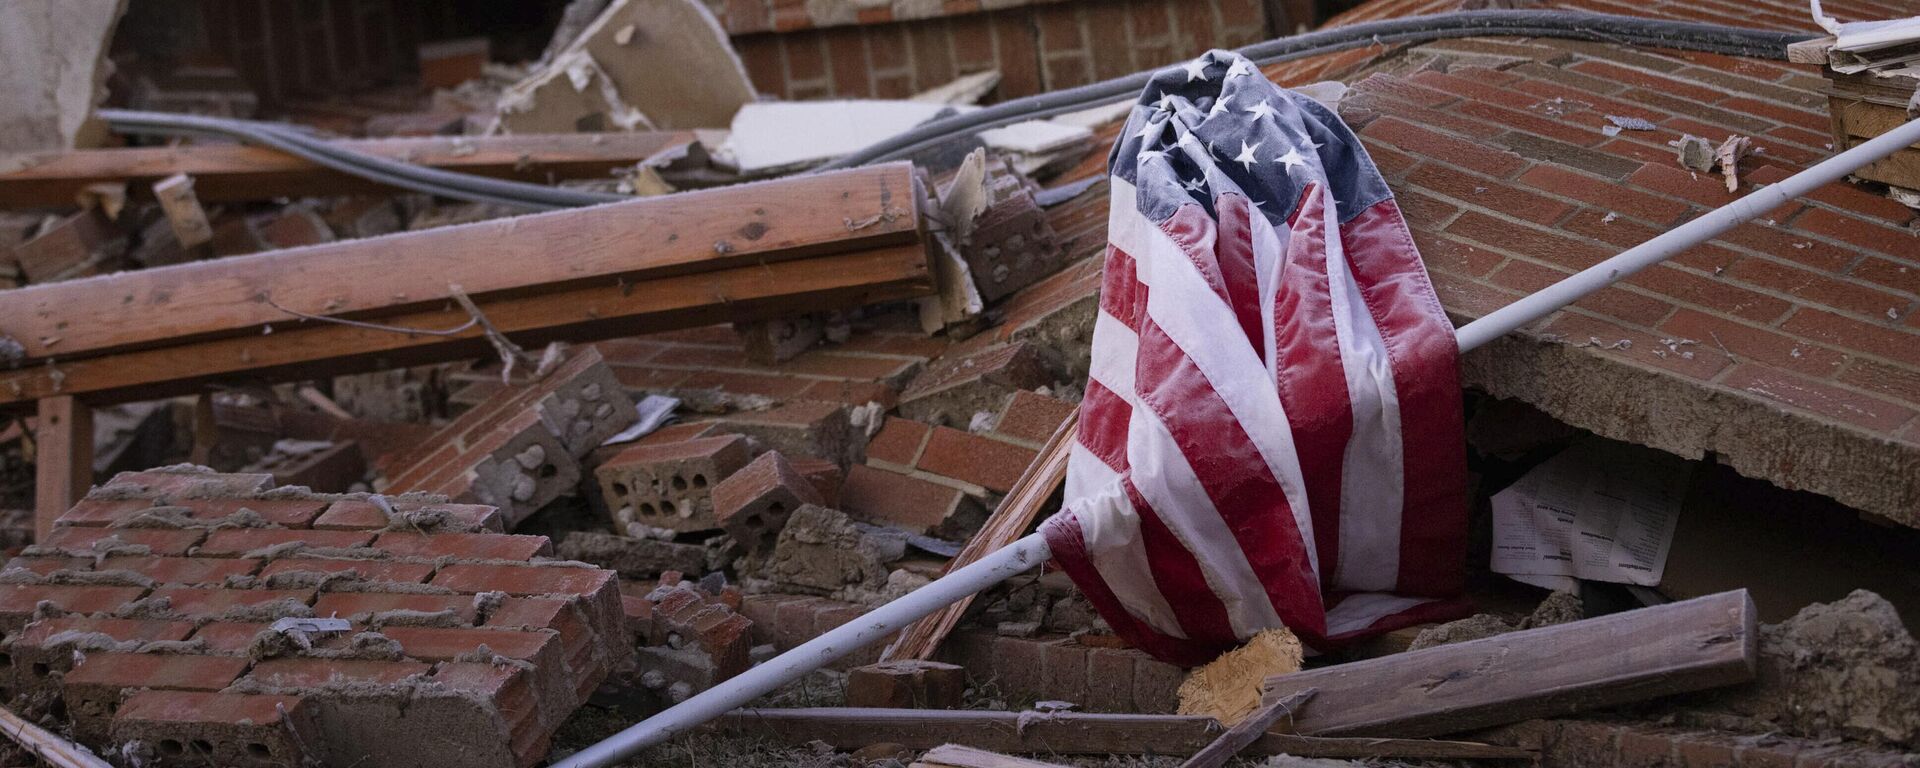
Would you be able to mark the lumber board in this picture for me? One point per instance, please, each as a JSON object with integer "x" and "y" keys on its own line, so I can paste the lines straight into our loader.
{"x": 63, "y": 459}
{"x": 233, "y": 172}
{"x": 629, "y": 241}
{"x": 957, "y": 756}
{"x": 1066, "y": 733}
{"x": 1008, "y": 522}
{"x": 1637, "y": 655}
{"x": 305, "y": 349}
{"x": 1247, "y": 731}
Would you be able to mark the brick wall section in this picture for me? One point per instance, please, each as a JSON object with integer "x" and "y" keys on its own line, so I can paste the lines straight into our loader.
{"x": 1592, "y": 744}
{"x": 1036, "y": 46}
{"x": 154, "y": 634}
{"x": 1023, "y": 669}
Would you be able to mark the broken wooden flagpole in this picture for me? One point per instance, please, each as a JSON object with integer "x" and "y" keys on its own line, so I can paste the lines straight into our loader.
{"x": 1031, "y": 551}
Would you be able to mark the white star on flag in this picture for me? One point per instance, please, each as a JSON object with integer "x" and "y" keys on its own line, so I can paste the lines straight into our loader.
{"x": 1246, "y": 158}
{"x": 1165, "y": 104}
{"x": 1151, "y": 154}
{"x": 1260, "y": 109}
{"x": 1151, "y": 130}
{"x": 1293, "y": 159}
{"x": 1198, "y": 184}
{"x": 1240, "y": 68}
{"x": 1225, "y": 103}
{"x": 1197, "y": 69}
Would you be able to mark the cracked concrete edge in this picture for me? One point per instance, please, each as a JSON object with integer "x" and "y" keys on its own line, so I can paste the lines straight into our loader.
{"x": 1623, "y": 400}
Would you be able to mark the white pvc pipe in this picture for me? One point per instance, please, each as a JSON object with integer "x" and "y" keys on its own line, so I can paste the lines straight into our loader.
{"x": 1031, "y": 551}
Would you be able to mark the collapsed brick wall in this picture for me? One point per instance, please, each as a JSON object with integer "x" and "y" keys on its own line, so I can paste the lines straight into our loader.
{"x": 1036, "y": 47}
{"x": 145, "y": 616}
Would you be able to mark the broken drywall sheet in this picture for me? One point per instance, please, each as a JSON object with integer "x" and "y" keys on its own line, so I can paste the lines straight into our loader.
{"x": 1034, "y": 137}
{"x": 1600, "y": 510}
{"x": 56, "y": 72}
{"x": 572, "y": 95}
{"x": 1866, "y": 35}
{"x": 779, "y": 135}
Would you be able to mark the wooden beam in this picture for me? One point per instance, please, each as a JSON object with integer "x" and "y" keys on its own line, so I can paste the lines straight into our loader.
{"x": 63, "y": 460}
{"x": 300, "y": 349}
{"x": 232, "y": 172}
{"x": 1066, "y": 733}
{"x": 957, "y": 756}
{"x": 1641, "y": 654}
{"x": 623, "y": 243}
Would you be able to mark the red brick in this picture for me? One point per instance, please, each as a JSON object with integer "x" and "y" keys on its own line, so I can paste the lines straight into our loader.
{"x": 754, "y": 502}
{"x": 895, "y": 499}
{"x": 161, "y": 541}
{"x": 1748, "y": 342}
{"x": 235, "y": 729}
{"x": 1515, "y": 238}
{"x": 156, "y": 670}
{"x": 1792, "y": 247}
{"x": 464, "y": 546}
{"x": 1898, "y": 275}
{"x": 523, "y": 580}
{"x": 1420, "y": 141}
{"x": 1701, "y": 751}
{"x": 364, "y": 516}
{"x": 1816, "y": 288}
{"x": 1861, "y": 232}
{"x": 1029, "y": 416}
{"x": 1020, "y": 667}
{"x": 1604, "y": 193}
{"x": 357, "y": 605}
{"x": 369, "y": 570}
{"x": 1706, "y": 189}
{"x": 1899, "y": 383}
{"x": 163, "y": 484}
{"x": 120, "y": 630}
{"x": 291, "y": 513}
{"x": 1487, "y": 193}
{"x": 1825, "y": 399}
{"x": 285, "y": 673}
{"x": 1639, "y": 749}
{"x": 1708, "y": 292}
{"x": 18, "y": 601}
{"x": 991, "y": 464}
{"x": 1848, "y": 333}
{"x": 1603, "y": 337}
{"x": 207, "y": 602}
{"x": 1667, "y": 85}
{"x": 447, "y": 644}
{"x": 898, "y": 442}
{"x": 182, "y": 570}
{"x": 1110, "y": 680}
{"x": 229, "y": 637}
{"x": 98, "y": 512}
{"x": 1615, "y": 302}
{"x": 231, "y": 542}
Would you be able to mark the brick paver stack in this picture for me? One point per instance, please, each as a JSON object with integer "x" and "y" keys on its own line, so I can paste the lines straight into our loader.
{"x": 147, "y": 614}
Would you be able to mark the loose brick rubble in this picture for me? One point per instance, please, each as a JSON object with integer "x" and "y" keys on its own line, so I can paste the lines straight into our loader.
{"x": 689, "y": 638}
{"x": 520, "y": 449}
{"x": 146, "y": 613}
{"x": 670, "y": 485}
{"x": 753, "y": 503}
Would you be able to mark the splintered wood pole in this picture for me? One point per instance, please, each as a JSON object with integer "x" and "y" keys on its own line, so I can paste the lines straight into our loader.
{"x": 63, "y": 459}
{"x": 1244, "y": 733}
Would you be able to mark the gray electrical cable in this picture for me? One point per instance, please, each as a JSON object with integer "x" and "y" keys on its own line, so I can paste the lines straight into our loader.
{"x": 1574, "y": 25}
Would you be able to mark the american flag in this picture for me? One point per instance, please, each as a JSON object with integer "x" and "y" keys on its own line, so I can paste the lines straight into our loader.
{"x": 1271, "y": 433}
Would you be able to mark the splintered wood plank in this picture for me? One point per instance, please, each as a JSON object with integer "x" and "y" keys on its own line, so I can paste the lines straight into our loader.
{"x": 232, "y": 172}
{"x": 1008, "y": 522}
{"x": 1067, "y": 733}
{"x": 1246, "y": 732}
{"x": 628, "y": 242}
{"x": 300, "y": 349}
{"x": 1637, "y": 655}
{"x": 63, "y": 460}
{"x": 957, "y": 756}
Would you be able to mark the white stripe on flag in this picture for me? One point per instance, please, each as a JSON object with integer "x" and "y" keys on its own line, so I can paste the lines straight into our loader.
{"x": 1370, "y": 498}
{"x": 1362, "y": 610}
{"x": 1181, "y": 303}
{"x": 1110, "y": 527}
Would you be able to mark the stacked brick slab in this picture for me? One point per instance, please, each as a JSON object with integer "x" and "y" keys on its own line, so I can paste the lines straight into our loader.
{"x": 146, "y": 614}
{"x": 520, "y": 448}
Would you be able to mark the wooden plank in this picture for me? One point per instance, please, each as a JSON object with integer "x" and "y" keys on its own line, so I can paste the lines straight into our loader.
{"x": 1246, "y": 732}
{"x": 1810, "y": 51}
{"x": 1066, "y": 733}
{"x": 232, "y": 172}
{"x": 305, "y": 349}
{"x": 63, "y": 459}
{"x": 184, "y": 214}
{"x": 1009, "y": 522}
{"x": 1642, "y": 654}
{"x": 607, "y": 244}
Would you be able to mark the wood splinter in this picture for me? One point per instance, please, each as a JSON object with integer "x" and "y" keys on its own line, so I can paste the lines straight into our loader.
{"x": 1248, "y": 731}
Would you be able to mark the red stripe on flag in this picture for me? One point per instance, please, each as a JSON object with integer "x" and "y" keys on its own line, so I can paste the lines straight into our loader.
{"x": 1121, "y": 294}
{"x": 1309, "y": 374}
{"x": 1421, "y": 345}
{"x": 1233, "y": 249}
{"x": 1234, "y": 475}
{"x": 1103, "y": 425}
{"x": 1070, "y": 551}
{"x": 1203, "y": 617}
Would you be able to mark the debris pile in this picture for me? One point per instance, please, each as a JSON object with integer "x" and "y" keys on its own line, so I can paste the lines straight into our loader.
{"x": 477, "y": 410}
